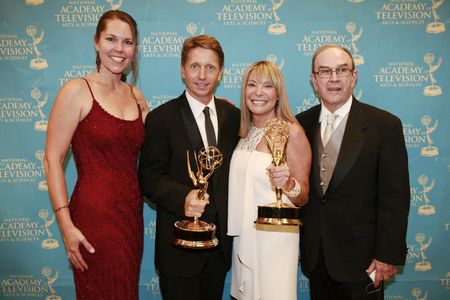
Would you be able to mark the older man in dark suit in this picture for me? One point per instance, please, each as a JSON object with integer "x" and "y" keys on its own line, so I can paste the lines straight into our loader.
{"x": 356, "y": 219}
{"x": 173, "y": 128}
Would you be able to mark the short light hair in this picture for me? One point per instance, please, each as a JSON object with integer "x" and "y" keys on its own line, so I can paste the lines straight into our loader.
{"x": 328, "y": 46}
{"x": 265, "y": 70}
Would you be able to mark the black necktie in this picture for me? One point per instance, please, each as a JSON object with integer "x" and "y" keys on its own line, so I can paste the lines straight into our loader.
{"x": 210, "y": 135}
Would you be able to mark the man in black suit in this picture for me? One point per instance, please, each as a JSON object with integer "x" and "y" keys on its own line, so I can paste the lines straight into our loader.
{"x": 171, "y": 130}
{"x": 356, "y": 219}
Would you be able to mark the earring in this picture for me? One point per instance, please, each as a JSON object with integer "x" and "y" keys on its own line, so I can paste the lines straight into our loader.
{"x": 97, "y": 62}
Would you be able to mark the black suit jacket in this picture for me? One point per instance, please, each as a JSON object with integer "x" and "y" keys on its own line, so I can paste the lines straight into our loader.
{"x": 363, "y": 214}
{"x": 171, "y": 130}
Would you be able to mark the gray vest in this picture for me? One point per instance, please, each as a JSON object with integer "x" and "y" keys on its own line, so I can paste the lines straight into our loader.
{"x": 329, "y": 154}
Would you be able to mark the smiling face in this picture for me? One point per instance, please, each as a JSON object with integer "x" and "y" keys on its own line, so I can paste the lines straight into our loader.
{"x": 201, "y": 73}
{"x": 260, "y": 98}
{"x": 116, "y": 47}
{"x": 334, "y": 91}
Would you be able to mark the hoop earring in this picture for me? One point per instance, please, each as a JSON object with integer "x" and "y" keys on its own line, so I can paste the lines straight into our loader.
{"x": 97, "y": 62}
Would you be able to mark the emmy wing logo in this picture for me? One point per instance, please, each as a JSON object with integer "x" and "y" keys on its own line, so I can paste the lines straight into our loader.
{"x": 426, "y": 209}
{"x": 192, "y": 28}
{"x": 34, "y": 2}
{"x": 351, "y": 28}
{"x": 39, "y": 154}
{"x": 51, "y": 279}
{"x": 417, "y": 293}
{"x": 422, "y": 265}
{"x": 436, "y": 26}
{"x": 115, "y": 6}
{"x": 37, "y": 63}
{"x": 277, "y": 27}
{"x": 432, "y": 90}
{"x": 50, "y": 242}
{"x": 429, "y": 150}
{"x": 40, "y": 125}
{"x": 274, "y": 59}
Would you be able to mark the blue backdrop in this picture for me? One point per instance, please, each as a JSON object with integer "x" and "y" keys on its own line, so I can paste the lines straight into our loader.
{"x": 401, "y": 48}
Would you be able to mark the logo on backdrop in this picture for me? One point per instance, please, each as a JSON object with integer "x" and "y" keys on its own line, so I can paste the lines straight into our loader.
{"x": 355, "y": 1}
{"x": 351, "y": 28}
{"x": 162, "y": 44}
{"x": 422, "y": 196}
{"x": 277, "y": 27}
{"x": 153, "y": 286}
{"x": 40, "y": 125}
{"x": 49, "y": 242}
{"x": 319, "y": 37}
{"x": 251, "y": 13}
{"x": 307, "y": 103}
{"x": 17, "y": 110}
{"x": 303, "y": 283}
{"x": 196, "y": 1}
{"x": 47, "y": 272}
{"x": 436, "y": 26}
{"x": 34, "y": 2}
{"x": 445, "y": 282}
{"x": 429, "y": 150}
{"x": 433, "y": 89}
{"x": 83, "y": 13}
{"x": 21, "y": 229}
{"x": 26, "y": 285}
{"x": 37, "y": 63}
{"x": 115, "y": 6}
{"x": 423, "y": 265}
{"x": 405, "y": 12}
{"x": 20, "y": 170}
{"x": 274, "y": 59}
{"x": 401, "y": 74}
{"x": 42, "y": 185}
{"x": 76, "y": 71}
{"x": 150, "y": 229}
{"x": 232, "y": 75}
{"x": 14, "y": 48}
{"x": 157, "y": 100}
{"x": 417, "y": 293}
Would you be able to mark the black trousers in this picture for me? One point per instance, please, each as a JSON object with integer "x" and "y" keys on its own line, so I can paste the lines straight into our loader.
{"x": 208, "y": 285}
{"x": 322, "y": 287}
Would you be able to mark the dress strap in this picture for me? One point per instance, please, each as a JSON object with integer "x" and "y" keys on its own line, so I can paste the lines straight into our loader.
{"x": 90, "y": 90}
{"x": 135, "y": 99}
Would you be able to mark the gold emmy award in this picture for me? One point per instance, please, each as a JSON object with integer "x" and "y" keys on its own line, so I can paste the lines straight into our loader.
{"x": 198, "y": 234}
{"x": 278, "y": 213}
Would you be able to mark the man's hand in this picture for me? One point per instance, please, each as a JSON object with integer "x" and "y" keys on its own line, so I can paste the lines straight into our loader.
{"x": 383, "y": 271}
{"x": 193, "y": 207}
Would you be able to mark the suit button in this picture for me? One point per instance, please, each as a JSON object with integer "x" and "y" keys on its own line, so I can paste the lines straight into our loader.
{"x": 322, "y": 183}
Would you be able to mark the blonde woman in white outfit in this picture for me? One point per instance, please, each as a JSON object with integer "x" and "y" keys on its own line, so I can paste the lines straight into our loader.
{"x": 265, "y": 260}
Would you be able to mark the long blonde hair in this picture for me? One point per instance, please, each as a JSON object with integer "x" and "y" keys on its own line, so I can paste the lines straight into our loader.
{"x": 268, "y": 71}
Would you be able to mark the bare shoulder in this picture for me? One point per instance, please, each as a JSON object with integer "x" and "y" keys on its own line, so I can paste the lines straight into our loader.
{"x": 75, "y": 92}
{"x": 295, "y": 130}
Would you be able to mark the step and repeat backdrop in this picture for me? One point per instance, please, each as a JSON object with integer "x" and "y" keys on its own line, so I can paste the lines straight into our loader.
{"x": 401, "y": 48}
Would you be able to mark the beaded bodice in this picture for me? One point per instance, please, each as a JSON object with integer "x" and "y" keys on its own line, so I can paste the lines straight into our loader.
{"x": 252, "y": 139}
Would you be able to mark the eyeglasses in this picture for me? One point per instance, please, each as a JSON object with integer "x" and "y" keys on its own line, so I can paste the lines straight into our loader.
{"x": 327, "y": 72}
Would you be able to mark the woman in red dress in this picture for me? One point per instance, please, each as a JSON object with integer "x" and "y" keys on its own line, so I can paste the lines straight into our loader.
{"x": 102, "y": 118}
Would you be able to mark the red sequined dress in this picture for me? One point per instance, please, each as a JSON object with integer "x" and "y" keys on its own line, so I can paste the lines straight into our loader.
{"x": 107, "y": 205}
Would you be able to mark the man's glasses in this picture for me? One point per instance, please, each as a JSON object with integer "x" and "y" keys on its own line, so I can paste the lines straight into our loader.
{"x": 327, "y": 72}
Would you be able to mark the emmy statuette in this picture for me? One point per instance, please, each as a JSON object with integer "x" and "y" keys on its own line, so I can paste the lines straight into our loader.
{"x": 278, "y": 213}
{"x": 198, "y": 234}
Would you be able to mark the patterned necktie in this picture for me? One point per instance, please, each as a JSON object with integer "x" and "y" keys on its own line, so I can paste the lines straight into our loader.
{"x": 329, "y": 128}
{"x": 210, "y": 135}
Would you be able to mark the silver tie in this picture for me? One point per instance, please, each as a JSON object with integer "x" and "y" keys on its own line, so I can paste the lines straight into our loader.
{"x": 329, "y": 128}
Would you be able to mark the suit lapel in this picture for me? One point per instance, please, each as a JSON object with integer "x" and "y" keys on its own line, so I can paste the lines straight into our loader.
{"x": 352, "y": 143}
{"x": 190, "y": 124}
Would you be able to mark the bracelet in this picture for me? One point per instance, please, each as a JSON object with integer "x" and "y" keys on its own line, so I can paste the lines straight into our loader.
{"x": 61, "y": 207}
{"x": 296, "y": 190}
